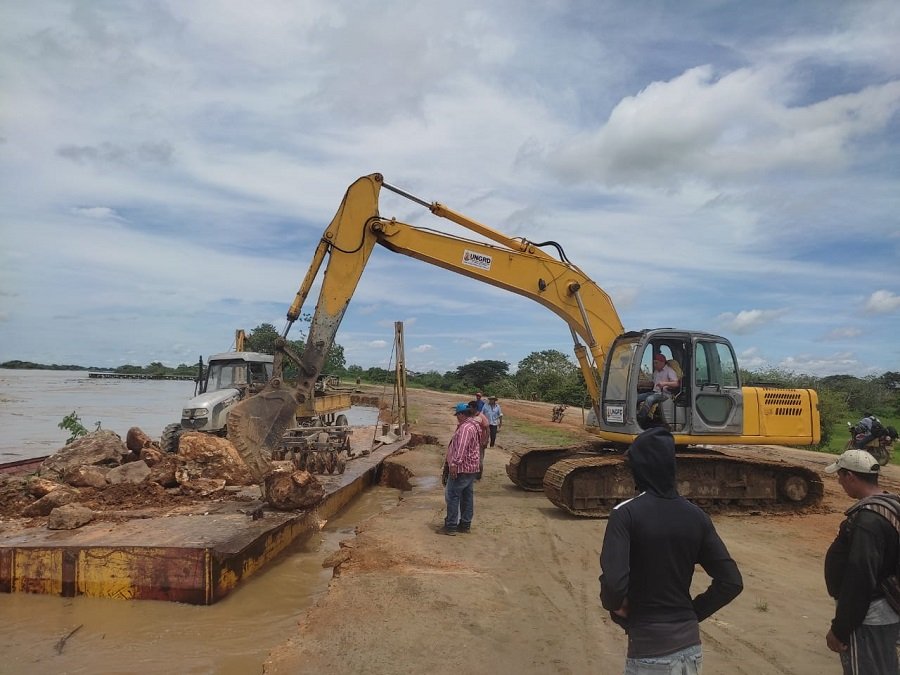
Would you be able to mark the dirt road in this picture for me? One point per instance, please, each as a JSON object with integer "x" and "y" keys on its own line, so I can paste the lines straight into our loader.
{"x": 519, "y": 593}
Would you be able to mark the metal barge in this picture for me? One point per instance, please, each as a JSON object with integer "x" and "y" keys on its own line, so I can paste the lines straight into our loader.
{"x": 195, "y": 554}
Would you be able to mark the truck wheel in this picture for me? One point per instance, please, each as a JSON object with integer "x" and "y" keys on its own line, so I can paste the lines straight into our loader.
{"x": 171, "y": 435}
{"x": 341, "y": 421}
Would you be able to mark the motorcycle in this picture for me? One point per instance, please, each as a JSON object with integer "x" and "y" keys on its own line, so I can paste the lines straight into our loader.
{"x": 880, "y": 448}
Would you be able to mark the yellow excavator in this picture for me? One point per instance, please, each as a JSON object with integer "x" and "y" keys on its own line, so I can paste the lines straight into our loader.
{"x": 709, "y": 407}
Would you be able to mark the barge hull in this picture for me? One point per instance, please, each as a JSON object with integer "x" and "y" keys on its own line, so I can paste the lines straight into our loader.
{"x": 195, "y": 556}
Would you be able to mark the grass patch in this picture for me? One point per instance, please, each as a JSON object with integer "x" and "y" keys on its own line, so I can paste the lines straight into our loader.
{"x": 539, "y": 434}
{"x": 761, "y": 606}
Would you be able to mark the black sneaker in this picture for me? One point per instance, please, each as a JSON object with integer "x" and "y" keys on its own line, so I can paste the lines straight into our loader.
{"x": 449, "y": 533}
{"x": 464, "y": 530}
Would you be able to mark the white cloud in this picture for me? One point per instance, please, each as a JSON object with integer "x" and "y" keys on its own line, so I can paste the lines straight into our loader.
{"x": 420, "y": 349}
{"x": 485, "y": 345}
{"x": 829, "y": 364}
{"x": 377, "y": 343}
{"x": 844, "y": 333}
{"x": 98, "y": 212}
{"x": 749, "y": 320}
{"x": 719, "y": 126}
{"x": 882, "y": 302}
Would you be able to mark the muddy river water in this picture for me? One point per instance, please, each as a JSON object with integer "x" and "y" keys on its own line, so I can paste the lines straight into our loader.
{"x": 34, "y": 402}
{"x": 232, "y": 637}
{"x": 43, "y": 634}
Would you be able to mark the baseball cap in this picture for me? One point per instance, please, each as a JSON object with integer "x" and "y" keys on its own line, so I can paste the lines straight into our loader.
{"x": 460, "y": 408}
{"x": 659, "y": 357}
{"x": 858, "y": 461}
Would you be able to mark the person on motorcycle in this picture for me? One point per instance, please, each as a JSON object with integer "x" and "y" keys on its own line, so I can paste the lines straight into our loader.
{"x": 867, "y": 430}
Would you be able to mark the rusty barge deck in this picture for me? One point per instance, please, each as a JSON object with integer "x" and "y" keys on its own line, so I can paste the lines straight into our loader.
{"x": 195, "y": 555}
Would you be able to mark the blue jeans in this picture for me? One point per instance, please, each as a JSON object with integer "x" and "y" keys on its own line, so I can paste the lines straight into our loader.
{"x": 688, "y": 661}
{"x": 460, "y": 497}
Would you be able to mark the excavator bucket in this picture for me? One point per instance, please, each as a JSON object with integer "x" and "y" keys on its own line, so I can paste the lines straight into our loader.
{"x": 257, "y": 424}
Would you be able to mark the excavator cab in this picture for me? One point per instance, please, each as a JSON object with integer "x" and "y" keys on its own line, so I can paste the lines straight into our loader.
{"x": 707, "y": 400}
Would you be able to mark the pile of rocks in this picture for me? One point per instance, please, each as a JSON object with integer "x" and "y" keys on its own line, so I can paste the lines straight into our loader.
{"x": 203, "y": 467}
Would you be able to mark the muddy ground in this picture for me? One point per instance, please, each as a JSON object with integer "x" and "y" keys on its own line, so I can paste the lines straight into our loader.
{"x": 519, "y": 593}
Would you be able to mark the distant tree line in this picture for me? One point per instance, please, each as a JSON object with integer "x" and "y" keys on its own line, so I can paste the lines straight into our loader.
{"x": 155, "y": 368}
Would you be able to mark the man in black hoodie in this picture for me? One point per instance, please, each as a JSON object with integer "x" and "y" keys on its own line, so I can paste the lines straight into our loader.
{"x": 650, "y": 548}
{"x": 863, "y": 555}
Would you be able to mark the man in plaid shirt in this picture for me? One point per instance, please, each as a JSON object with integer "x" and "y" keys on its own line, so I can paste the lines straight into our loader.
{"x": 463, "y": 459}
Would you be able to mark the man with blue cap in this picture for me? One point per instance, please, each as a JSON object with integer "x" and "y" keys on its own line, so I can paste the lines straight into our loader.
{"x": 462, "y": 465}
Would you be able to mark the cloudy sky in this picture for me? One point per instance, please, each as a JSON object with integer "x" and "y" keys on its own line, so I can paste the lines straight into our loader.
{"x": 167, "y": 167}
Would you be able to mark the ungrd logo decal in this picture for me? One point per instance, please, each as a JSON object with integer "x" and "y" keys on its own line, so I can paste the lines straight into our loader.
{"x": 479, "y": 260}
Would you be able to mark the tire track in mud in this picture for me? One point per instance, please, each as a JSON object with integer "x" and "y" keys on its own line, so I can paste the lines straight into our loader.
{"x": 724, "y": 646}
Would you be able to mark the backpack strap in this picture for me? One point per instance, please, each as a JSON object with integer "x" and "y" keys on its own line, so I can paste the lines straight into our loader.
{"x": 885, "y": 505}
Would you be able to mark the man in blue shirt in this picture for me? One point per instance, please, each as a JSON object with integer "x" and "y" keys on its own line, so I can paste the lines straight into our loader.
{"x": 495, "y": 418}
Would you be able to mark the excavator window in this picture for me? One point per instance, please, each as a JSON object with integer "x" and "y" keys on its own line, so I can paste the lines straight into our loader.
{"x": 619, "y": 371}
{"x": 714, "y": 365}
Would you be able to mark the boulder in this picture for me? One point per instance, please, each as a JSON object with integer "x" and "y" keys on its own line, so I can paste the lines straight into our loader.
{"x": 207, "y": 456}
{"x": 286, "y": 491}
{"x": 41, "y": 487}
{"x": 163, "y": 471}
{"x": 86, "y": 476}
{"x": 152, "y": 456}
{"x": 136, "y": 440}
{"x": 69, "y": 517}
{"x": 44, "y": 505}
{"x": 133, "y": 472}
{"x": 102, "y": 448}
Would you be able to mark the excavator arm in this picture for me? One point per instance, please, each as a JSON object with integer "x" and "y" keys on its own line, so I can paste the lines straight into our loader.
{"x": 256, "y": 425}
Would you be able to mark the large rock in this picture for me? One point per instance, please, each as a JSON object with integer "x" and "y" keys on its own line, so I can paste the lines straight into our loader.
{"x": 152, "y": 456}
{"x": 41, "y": 487}
{"x": 162, "y": 471}
{"x": 136, "y": 440}
{"x": 287, "y": 491}
{"x": 133, "y": 472}
{"x": 86, "y": 476}
{"x": 103, "y": 448}
{"x": 205, "y": 456}
{"x": 69, "y": 517}
{"x": 50, "y": 501}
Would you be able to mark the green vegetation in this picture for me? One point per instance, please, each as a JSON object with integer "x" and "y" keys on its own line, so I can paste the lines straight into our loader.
{"x": 155, "y": 368}
{"x": 72, "y": 424}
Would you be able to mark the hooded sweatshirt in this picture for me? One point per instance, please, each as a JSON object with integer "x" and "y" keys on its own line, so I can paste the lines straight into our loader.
{"x": 650, "y": 548}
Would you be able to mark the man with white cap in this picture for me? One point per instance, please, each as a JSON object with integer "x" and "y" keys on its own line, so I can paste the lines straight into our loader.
{"x": 859, "y": 561}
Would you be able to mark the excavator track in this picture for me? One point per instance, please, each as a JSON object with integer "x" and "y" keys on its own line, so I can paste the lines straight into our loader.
{"x": 592, "y": 486}
{"x": 526, "y": 468}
